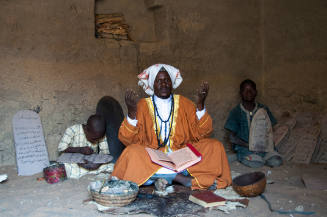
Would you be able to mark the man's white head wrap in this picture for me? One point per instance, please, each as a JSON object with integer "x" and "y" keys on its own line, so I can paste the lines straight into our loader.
{"x": 148, "y": 76}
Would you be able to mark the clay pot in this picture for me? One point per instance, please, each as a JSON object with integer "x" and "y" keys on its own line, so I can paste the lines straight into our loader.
{"x": 250, "y": 184}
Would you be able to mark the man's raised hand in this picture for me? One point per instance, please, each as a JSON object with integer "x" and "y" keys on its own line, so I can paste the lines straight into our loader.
{"x": 131, "y": 99}
{"x": 202, "y": 94}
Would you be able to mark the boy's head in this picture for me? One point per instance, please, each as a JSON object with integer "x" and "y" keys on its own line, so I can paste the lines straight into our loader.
{"x": 248, "y": 90}
{"x": 95, "y": 128}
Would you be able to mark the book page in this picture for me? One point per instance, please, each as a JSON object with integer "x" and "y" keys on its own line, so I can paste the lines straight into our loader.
{"x": 177, "y": 160}
{"x": 159, "y": 155}
{"x": 182, "y": 156}
{"x": 160, "y": 158}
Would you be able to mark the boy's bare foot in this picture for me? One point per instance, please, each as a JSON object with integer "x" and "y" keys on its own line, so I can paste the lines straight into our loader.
{"x": 184, "y": 180}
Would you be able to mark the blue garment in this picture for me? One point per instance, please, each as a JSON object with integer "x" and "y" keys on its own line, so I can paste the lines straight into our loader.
{"x": 168, "y": 177}
{"x": 237, "y": 122}
{"x": 243, "y": 152}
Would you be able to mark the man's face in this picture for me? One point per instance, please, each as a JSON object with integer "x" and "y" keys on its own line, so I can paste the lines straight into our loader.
{"x": 248, "y": 93}
{"x": 162, "y": 85}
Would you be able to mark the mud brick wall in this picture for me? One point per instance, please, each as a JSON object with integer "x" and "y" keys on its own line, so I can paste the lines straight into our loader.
{"x": 50, "y": 57}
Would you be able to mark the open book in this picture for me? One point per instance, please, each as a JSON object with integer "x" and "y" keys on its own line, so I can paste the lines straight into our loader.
{"x": 207, "y": 199}
{"x": 178, "y": 160}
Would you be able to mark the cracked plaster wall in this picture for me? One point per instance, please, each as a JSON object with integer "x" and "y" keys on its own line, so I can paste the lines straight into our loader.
{"x": 50, "y": 58}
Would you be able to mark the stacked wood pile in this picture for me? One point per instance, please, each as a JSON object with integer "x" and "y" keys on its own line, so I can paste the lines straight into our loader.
{"x": 111, "y": 26}
{"x": 298, "y": 140}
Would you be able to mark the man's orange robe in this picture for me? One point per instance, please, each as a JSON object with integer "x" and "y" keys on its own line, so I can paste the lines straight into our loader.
{"x": 135, "y": 165}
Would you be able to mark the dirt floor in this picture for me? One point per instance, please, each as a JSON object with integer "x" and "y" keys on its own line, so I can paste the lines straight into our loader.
{"x": 26, "y": 196}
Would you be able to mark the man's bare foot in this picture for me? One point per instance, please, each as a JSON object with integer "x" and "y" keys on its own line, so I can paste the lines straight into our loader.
{"x": 161, "y": 184}
{"x": 184, "y": 180}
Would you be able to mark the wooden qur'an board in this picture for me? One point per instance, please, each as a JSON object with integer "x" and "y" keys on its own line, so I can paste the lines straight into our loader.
{"x": 31, "y": 151}
{"x": 261, "y": 132}
{"x": 280, "y": 133}
{"x": 287, "y": 149}
{"x": 306, "y": 144}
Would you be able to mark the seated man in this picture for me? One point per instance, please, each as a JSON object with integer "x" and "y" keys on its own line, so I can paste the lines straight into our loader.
{"x": 110, "y": 109}
{"x": 167, "y": 122}
{"x": 86, "y": 139}
{"x": 238, "y": 123}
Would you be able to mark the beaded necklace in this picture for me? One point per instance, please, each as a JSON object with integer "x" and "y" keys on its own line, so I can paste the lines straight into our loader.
{"x": 166, "y": 136}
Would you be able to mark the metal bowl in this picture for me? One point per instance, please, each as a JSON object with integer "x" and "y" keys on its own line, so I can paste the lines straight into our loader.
{"x": 250, "y": 184}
